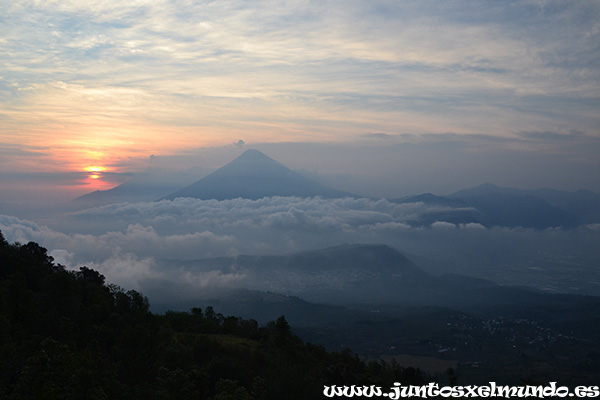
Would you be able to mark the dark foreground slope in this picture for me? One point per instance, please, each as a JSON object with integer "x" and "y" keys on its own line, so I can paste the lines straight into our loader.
{"x": 68, "y": 335}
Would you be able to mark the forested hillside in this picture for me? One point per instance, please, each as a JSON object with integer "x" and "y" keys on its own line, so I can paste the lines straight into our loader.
{"x": 69, "y": 335}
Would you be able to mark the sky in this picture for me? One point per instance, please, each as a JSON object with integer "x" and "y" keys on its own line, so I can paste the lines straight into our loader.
{"x": 378, "y": 98}
{"x": 384, "y": 97}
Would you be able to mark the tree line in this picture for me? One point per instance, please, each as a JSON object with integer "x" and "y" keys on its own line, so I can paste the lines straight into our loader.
{"x": 68, "y": 334}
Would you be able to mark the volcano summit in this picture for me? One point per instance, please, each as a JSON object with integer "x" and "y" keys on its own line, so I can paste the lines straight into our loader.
{"x": 254, "y": 175}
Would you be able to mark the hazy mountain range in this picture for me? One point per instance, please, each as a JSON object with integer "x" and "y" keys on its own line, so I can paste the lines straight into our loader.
{"x": 254, "y": 175}
{"x": 491, "y": 205}
{"x": 359, "y": 274}
{"x": 479, "y": 275}
{"x": 349, "y": 274}
{"x": 376, "y": 301}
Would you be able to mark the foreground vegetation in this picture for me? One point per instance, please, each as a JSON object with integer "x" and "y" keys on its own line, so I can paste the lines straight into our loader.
{"x": 68, "y": 335}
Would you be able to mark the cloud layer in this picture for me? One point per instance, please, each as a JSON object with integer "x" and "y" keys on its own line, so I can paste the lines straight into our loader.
{"x": 130, "y": 243}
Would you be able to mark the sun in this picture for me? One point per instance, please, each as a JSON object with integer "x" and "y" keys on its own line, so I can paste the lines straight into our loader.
{"x": 95, "y": 171}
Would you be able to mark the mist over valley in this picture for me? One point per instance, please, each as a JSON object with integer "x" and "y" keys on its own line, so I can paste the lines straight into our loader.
{"x": 256, "y": 239}
{"x": 257, "y": 200}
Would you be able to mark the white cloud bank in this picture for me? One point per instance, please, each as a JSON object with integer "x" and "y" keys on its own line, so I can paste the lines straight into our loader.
{"x": 128, "y": 242}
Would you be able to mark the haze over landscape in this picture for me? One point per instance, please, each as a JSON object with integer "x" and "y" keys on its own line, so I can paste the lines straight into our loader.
{"x": 357, "y": 166}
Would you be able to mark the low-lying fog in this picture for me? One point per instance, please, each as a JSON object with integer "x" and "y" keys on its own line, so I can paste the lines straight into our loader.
{"x": 136, "y": 245}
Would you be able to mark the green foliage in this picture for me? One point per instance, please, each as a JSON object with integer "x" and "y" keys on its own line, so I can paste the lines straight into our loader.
{"x": 67, "y": 335}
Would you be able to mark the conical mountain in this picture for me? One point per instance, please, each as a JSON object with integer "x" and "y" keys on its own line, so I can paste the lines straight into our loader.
{"x": 254, "y": 175}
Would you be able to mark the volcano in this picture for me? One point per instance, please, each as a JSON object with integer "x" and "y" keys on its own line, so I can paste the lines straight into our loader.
{"x": 254, "y": 175}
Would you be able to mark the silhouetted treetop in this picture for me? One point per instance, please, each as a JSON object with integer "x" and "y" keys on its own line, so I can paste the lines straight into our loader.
{"x": 67, "y": 334}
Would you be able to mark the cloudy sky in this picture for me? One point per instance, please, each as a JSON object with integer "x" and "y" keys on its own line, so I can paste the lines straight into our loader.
{"x": 379, "y": 98}
{"x": 91, "y": 90}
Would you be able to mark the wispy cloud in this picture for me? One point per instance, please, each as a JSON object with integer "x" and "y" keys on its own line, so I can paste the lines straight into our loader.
{"x": 112, "y": 81}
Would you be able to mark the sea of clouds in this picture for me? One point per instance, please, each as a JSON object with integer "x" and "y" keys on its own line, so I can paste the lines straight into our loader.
{"x": 129, "y": 242}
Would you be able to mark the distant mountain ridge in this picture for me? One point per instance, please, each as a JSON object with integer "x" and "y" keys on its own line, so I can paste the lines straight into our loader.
{"x": 254, "y": 175}
{"x": 583, "y": 206}
{"x": 358, "y": 274}
{"x": 491, "y": 205}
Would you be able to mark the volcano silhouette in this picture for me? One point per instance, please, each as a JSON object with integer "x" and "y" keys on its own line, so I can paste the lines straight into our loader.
{"x": 254, "y": 175}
